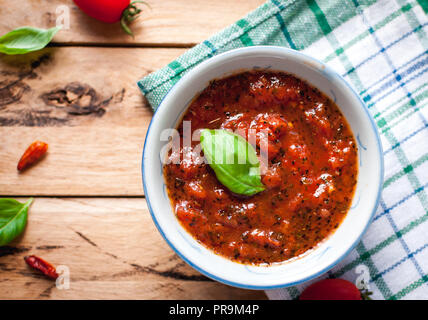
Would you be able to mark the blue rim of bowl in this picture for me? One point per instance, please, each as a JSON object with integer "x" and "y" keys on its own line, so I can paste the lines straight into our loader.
{"x": 319, "y": 273}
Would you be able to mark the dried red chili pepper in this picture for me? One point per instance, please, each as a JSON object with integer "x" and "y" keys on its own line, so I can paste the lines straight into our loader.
{"x": 33, "y": 153}
{"x": 43, "y": 266}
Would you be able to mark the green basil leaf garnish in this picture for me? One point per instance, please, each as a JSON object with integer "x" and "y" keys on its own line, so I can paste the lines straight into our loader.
{"x": 13, "y": 219}
{"x": 26, "y": 39}
{"x": 233, "y": 160}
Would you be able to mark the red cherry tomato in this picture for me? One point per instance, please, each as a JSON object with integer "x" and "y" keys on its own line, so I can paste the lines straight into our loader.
{"x": 331, "y": 289}
{"x": 111, "y": 11}
{"x": 108, "y": 11}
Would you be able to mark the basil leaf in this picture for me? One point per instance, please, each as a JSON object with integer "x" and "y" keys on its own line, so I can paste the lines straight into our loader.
{"x": 26, "y": 39}
{"x": 13, "y": 219}
{"x": 233, "y": 160}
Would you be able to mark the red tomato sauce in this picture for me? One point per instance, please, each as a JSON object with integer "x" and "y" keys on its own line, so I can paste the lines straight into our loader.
{"x": 310, "y": 179}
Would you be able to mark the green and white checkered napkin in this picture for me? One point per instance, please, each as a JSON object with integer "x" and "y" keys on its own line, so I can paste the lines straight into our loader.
{"x": 380, "y": 47}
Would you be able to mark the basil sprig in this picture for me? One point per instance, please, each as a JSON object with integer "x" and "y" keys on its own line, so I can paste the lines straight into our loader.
{"x": 13, "y": 219}
{"x": 26, "y": 39}
{"x": 233, "y": 160}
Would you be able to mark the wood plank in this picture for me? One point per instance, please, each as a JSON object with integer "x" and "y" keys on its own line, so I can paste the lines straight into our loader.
{"x": 112, "y": 249}
{"x": 95, "y": 141}
{"x": 169, "y": 22}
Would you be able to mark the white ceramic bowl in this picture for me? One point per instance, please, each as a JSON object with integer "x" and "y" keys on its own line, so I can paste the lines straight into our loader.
{"x": 330, "y": 251}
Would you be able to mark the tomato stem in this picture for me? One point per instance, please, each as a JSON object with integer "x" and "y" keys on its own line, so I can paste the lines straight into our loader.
{"x": 130, "y": 14}
{"x": 366, "y": 294}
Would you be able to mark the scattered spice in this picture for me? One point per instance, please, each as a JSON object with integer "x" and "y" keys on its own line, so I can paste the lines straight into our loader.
{"x": 43, "y": 266}
{"x": 33, "y": 153}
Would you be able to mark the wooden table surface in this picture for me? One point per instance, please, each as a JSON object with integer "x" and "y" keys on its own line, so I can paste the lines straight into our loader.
{"x": 80, "y": 96}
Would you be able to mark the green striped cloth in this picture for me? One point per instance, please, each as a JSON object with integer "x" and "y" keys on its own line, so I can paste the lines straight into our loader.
{"x": 380, "y": 47}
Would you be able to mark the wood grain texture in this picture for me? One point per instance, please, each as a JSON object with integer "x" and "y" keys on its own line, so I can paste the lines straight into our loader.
{"x": 80, "y": 96}
{"x": 84, "y": 102}
{"x": 113, "y": 251}
{"x": 168, "y": 22}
